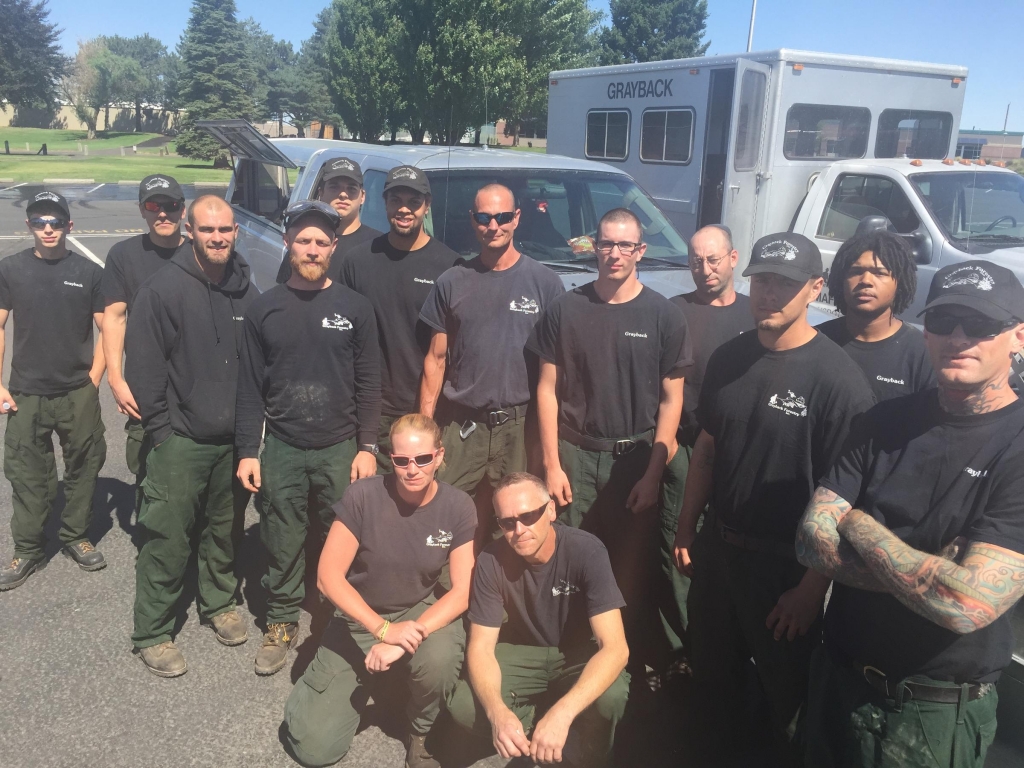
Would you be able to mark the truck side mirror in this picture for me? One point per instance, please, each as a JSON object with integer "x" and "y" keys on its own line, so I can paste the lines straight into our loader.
{"x": 874, "y": 223}
{"x": 920, "y": 243}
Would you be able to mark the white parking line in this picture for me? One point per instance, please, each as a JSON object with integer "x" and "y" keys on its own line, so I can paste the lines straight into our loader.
{"x": 111, "y": 236}
{"x": 85, "y": 251}
{"x": 94, "y": 188}
{"x": 14, "y": 187}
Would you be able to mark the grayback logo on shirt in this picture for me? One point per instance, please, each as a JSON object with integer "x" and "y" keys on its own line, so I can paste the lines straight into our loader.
{"x": 422, "y": 280}
{"x": 337, "y": 323}
{"x": 443, "y": 539}
{"x": 564, "y": 588}
{"x": 158, "y": 182}
{"x": 970, "y": 275}
{"x": 528, "y": 306}
{"x": 635, "y": 334}
{"x": 73, "y": 285}
{"x": 887, "y": 380}
{"x": 976, "y": 472}
{"x": 779, "y": 249}
{"x": 791, "y": 404}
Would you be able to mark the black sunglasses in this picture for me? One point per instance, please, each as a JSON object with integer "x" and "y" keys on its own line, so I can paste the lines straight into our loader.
{"x": 974, "y": 326}
{"x": 41, "y": 224}
{"x": 154, "y": 207}
{"x": 483, "y": 219}
{"x": 423, "y": 460}
{"x": 527, "y": 518}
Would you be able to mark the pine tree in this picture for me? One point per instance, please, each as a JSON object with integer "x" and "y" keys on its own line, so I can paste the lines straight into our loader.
{"x": 216, "y": 77}
{"x": 30, "y": 58}
{"x": 654, "y": 30}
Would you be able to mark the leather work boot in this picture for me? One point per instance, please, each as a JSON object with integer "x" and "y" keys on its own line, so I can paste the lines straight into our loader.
{"x": 229, "y": 628}
{"x": 86, "y": 555}
{"x": 273, "y": 654}
{"x": 163, "y": 660}
{"x": 416, "y": 754}
{"x": 18, "y": 571}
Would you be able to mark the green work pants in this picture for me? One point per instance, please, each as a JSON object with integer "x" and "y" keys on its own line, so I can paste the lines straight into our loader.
{"x": 851, "y": 725}
{"x": 532, "y": 679}
{"x": 187, "y": 484}
{"x": 323, "y": 711}
{"x": 732, "y": 592}
{"x": 672, "y": 587}
{"x": 297, "y": 484}
{"x": 32, "y": 470}
{"x": 136, "y": 449}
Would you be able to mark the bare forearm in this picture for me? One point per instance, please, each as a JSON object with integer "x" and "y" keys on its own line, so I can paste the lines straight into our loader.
{"x": 547, "y": 419}
{"x": 485, "y": 679}
{"x": 698, "y": 483}
{"x": 670, "y": 409}
{"x": 820, "y": 547}
{"x": 446, "y": 610}
{"x": 112, "y": 336}
{"x": 99, "y": 362}
{"x": 597, "y": 677}
{"x": 350, "y": 602}
{"x": 430, "y": 386}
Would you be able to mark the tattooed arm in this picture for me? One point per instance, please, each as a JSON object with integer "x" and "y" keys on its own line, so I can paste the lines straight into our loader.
{"x": 819, "y": 545}
{"x": 962, "y": 598}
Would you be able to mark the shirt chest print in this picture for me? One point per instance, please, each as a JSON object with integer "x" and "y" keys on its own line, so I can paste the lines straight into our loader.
{"x": 564, "y": 588}
{"x": 442, "y": 539}
{"x": 526, "y": 306}
{"x": 337, "y": 323}
{"x": 790, "y": 404}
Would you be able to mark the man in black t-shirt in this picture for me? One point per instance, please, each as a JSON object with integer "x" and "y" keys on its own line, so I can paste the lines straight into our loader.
{"x": 129, "y": 264}
{"x": 872, "y": 280}
{"x": 481, "y": 313}
{"x": 775, "y": 407}
{"x": 341, "y": 187}
{"x": 55, "y": 298}
{"x": 609, "y": 398}
{"x": 562, "y": 646}
{"x": 309, "y": 365}
{"x": 396, "y": 272}
{"x": 921, "y": 525}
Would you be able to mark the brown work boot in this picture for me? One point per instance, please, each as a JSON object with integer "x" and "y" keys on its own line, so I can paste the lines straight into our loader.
{"x": 273, "y": 654}
{"x": 229, "y": 627}
{"x": 163, "y": 660}
{"x": 86, "y": 555}
{"x": 416, "y": 754}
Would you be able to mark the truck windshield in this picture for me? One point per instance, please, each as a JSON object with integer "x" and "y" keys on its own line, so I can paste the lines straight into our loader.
{"x": 982, "y": 207}
{"x": 559, "y": 210}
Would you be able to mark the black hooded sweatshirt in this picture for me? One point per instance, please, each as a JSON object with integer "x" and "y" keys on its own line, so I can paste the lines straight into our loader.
{"x": 182, "y": 345}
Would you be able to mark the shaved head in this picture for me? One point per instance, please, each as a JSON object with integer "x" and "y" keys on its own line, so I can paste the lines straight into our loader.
{"x": 208, "y": 203}
{"x": 495, "y": 192}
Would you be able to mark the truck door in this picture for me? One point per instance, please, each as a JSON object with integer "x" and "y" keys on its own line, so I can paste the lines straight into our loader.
{"x": 743, "y": 175}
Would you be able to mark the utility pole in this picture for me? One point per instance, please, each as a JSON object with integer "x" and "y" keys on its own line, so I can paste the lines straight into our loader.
{"x": 750, "y": 35}
{"x": 1002, "y": 144}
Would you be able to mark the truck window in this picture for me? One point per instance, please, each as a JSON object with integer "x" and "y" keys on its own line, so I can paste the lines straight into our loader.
{"x": 826, "y": 131}
{"x": 749, "y": 121}
{"x": 913, "y": 133}
{"x": 666, "y": 135}
{"x": 607, "y": 134}
{"x": 856, "y": 196}
{"x": 975, "y": 208}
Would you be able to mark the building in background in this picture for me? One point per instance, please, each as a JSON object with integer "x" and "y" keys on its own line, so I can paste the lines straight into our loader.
{"x": 989, "y": 145}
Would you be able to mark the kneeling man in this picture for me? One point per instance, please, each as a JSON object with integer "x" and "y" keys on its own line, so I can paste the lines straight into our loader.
{"x": 563, "y": 643}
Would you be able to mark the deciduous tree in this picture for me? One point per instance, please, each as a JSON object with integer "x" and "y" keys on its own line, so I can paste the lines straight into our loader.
{"x": 151, "y": 56}
{"x": 654, "y": 30}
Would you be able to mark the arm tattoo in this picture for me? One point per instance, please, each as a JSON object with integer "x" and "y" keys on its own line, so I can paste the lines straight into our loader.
{"x": 819, "y": 545}
{"x": 961, "y": 598}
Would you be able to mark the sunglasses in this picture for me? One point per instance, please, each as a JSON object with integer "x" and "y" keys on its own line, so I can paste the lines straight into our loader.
{"x": 974, "y": 326}
{"x": 484, "y": 219}
{"x": 154, "y": 207}
{"x": 41, "y": 224}
{"x": 626, "y": 248}
{"x": 423, "y": 460}
{"x": 508, "y": 524}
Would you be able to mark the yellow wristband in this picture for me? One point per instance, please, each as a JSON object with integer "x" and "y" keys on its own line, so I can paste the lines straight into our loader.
{"x": 383, "y": 630}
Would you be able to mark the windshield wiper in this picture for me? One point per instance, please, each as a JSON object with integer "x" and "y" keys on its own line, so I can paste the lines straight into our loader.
{"x": 993, "y": 236}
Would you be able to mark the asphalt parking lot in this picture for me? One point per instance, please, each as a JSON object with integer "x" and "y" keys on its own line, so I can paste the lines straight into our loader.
{"x": 72, "y": 693}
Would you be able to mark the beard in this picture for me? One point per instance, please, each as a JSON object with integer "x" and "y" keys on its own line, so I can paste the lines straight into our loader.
{"x": 414, "y": 229}
{"x": 312, "y": 272}
{"x": 770, "y": 325}
{"x": 221, "y": 257}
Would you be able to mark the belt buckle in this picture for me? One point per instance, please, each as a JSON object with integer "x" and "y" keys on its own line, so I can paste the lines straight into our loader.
{"x": 497, "y": 418}
{"x": 622, "y": 447}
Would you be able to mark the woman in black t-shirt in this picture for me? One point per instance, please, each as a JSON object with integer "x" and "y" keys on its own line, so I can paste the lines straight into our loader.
{"x": 380, "y": 567}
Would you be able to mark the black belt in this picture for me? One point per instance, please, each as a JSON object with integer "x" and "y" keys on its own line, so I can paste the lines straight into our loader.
{"x": 617, "y": 446}
{"x": 495, "y": 418}
{"x": 753, "y": 544}
{"x": 919, "y": 691}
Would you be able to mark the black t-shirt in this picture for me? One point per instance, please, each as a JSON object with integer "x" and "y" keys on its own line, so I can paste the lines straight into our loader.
{"x": 488, "y": 316}
{"x": 345, "y": 244}
{"x": 709, "y": 327}
{"x": 397, "y": 283}
{"x": 52, "y": 302}
{"x": 401, "y": 548}
{"x": 132, "y": 262}
{"x": 929, "y": 477}
{"x": 894, "y": 367}
{"x": 612, "y": 358}
{"x": 548, "y": 605}
{"x": 310, "y": 362}
{"x": 779, "y": 420}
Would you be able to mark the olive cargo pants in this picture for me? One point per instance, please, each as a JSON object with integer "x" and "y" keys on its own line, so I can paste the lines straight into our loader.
{"x": 323, "y": 711}
{"x": 297, "y": 484}
{"x": 486, "y": 453}
{"x": 136, "y": 449}
{"x": 532, "y": 679}
{"x": 187, "y": 484}
{"x": 672, "y": 587}
{"x": 30, "y": 466}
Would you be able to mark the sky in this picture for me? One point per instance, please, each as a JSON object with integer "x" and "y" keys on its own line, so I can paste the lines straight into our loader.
{"x": 936, "y": 31}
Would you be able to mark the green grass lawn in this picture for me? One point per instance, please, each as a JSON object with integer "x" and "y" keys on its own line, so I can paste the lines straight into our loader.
{"x": 106, "y": 169}
{"x": 68, "y": 140}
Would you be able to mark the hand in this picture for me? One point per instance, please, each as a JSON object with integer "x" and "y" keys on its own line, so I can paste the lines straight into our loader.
{"x": 644, "y": 494}
{"x": 123, "y": 397}
{"x": 796, "y": 611}
{"x": 549, "y": 737}
{"x": 382, "y": 656}
{"x": 407, "y": 635}
{"x": 558, "y": 486}
{"x": 248, "y": 474}
{"x": 681, "y": 551}
{"x": 7, "y": 400}
{"x": 507, "y": 735}
{"x": 363, "y": 465}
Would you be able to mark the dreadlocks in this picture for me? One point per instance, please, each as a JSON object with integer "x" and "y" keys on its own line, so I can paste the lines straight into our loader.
{"x": 891, "y": 251}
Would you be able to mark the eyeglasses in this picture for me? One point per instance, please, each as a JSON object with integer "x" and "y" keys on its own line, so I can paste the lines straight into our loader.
{"x": 626, "y": 248}
{"x": 527, "y": 518}
{"x": 974, "y": 326}
{"x": 423, "y": 460}
{"x": 484, "y": 219}
{"x": 154, "y": 207}
{"x": 40, "y": 224}
{"x": 697, "y": 263}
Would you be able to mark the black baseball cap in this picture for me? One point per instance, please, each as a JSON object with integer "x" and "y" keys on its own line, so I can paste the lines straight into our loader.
{"x": 160, "y": 185}
{"x": 785, "y": 253}
{"x": 47, "y": 199}
{"x": 298, "y": 211}
{"x": 980, "y": 285}
{"x": 407, "y": 176}
{"x": 345, "y": 167}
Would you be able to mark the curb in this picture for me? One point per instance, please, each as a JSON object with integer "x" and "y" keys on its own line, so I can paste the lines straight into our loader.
{"x": 6, "y": 181}
{"x": 210, "y": 184}
{"x": 69, "y": 181}
{"x": 129, "y": 183}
